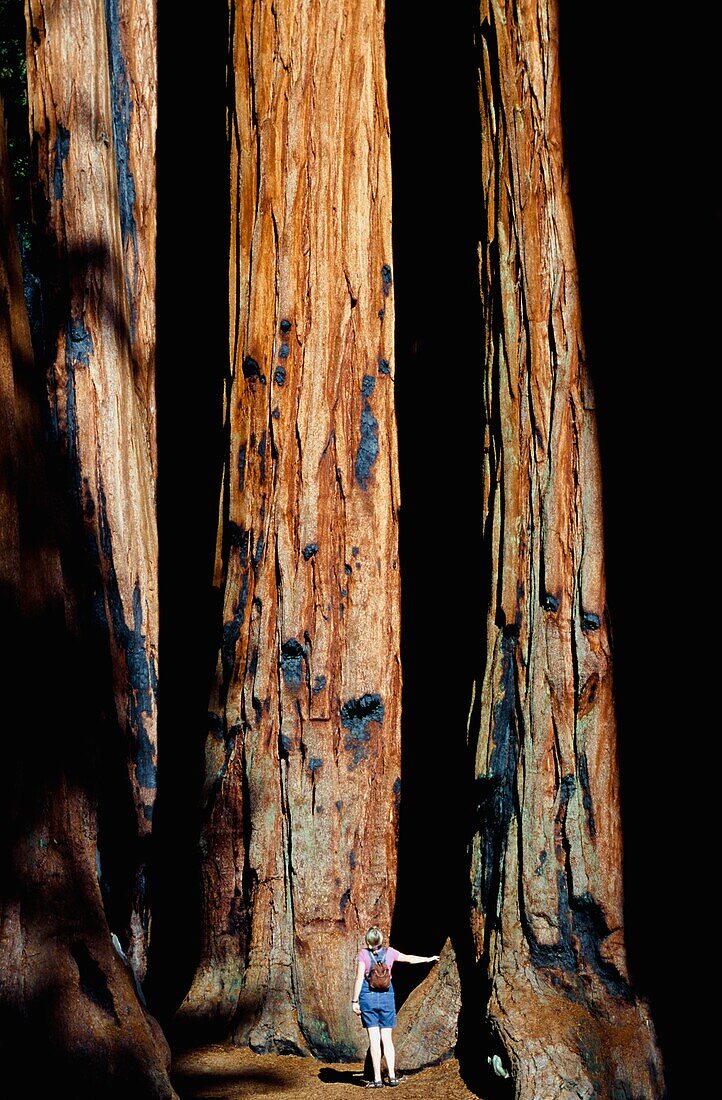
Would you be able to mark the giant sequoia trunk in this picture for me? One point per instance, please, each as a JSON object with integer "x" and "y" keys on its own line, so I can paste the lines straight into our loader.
{"x": 302, "y": 760}
{"x": 69, "y": 1011}
{"x": 91, "y": 91}
{"x": 546, "y": 868}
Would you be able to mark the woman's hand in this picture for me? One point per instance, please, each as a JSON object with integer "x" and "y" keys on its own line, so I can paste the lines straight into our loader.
{"x": 356, "y": 1007}
{"x": 433, "y": 958}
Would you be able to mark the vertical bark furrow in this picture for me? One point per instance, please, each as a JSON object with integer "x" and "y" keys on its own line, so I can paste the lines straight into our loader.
{"x": 308, "y": 671}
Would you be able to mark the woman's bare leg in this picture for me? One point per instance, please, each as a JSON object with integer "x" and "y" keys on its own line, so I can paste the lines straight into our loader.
{"x": 374, "y": 1034}
{"x": 389, "y": 1051}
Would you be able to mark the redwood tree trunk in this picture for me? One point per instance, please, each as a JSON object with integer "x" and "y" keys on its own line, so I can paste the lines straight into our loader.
{"x": 91, "y": 92}
{"x": 302, "y": 761}
{"x": 70, "y": 1017}
{"x": 547, "y": 857}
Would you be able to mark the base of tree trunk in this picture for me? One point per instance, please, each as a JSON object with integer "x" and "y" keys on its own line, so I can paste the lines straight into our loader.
{"x": 73, "y": 1023}
{"x": 222, "y": 1005}
{"x": 562, "y": 1036}
{"x": 208, "y": 1008}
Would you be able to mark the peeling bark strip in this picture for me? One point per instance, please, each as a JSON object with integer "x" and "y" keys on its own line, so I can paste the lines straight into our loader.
{"x": 92, "y": 133}
{"x": 302, "y": 759}
{"x": 68, "y": 1005}
{"x": 546, "y": 866}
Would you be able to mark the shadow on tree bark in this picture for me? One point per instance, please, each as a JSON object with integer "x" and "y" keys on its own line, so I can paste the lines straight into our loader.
{"x": 69, "y": 1000}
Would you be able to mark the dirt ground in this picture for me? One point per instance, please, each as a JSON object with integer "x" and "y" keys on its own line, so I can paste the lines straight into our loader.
{"x": 230, "y": 1073}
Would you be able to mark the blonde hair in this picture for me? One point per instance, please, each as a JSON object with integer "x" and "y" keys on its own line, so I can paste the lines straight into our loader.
{"x": 374, "y": 938}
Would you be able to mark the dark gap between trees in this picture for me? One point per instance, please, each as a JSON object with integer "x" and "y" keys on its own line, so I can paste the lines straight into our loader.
{"x": 192, "y": 303}
{"x": 435, "y": 153}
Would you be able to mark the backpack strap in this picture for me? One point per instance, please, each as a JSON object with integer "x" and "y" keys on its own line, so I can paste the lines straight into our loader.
{"x": 374, "y": 958}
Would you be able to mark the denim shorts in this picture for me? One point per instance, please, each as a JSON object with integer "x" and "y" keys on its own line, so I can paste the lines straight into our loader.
{"x": 377, "y": 1009}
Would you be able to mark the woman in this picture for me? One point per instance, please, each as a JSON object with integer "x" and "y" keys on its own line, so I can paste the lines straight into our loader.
{"x": 378, "y": 1009}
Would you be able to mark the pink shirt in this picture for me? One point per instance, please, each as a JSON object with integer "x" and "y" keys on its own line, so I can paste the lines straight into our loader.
{"x": 390, "y": 958}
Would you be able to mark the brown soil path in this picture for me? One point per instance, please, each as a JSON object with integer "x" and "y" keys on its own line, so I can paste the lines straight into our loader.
{"x": 222, "y": 1072}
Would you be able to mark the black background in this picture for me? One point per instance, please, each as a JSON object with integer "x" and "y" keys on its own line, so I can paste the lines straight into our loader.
{"x": 634, "y": 110}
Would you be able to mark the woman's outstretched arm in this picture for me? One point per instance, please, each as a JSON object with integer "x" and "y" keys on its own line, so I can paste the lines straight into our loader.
{"x": 416, "y": 958}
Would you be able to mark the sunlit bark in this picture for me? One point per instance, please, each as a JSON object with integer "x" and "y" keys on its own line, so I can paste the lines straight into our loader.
{"x": 302, "y": 762}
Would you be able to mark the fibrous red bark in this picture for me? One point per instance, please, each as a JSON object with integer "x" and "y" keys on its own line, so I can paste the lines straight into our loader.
{"x": 547, "y": 857}
{"x": 302, "y": 760}
{"x": 91, "y": 94}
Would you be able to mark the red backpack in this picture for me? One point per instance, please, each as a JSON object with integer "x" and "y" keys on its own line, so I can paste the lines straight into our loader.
{"x": 379, "y": 976}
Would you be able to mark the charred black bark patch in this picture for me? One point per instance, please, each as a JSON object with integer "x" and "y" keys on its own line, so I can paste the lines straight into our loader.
{"x": 242, "y": 466}
{"x": 356, "y": 717}
{"x": 590, "y": 928}
{"x": 256, "y": 558}
{"x": 132, "y": 642}
{"x": 121, "y": 108}
{"x": 583, "y": 773}
{"x": 78, "y": 343}
{"x": 78, "y": 350}
{"x": 60, "y": 153}
{"x": 496, "y": 799}
{"x": 368, "y": 448}
{"x": 291, "y": 662}
{"x": 141, "y": 694}
{"x": 251, "y": 369}
{"x": 232, "y": 628}
{"x": 262, "y": 455}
